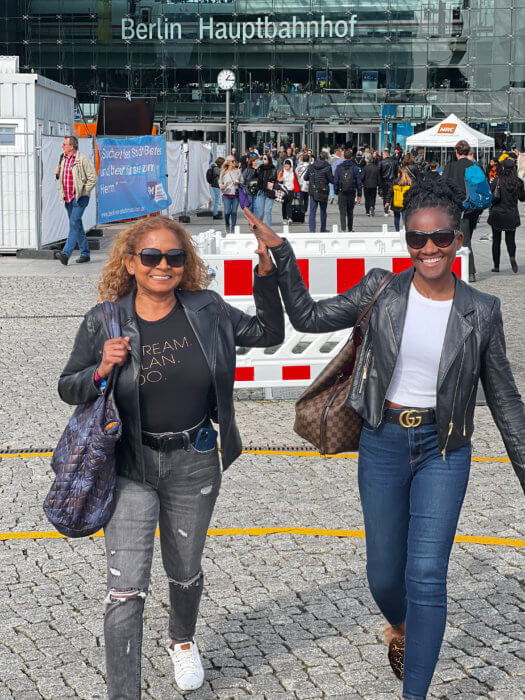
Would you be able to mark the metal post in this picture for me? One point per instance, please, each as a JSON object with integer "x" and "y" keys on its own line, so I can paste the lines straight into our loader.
{"x": 228, "y": 131}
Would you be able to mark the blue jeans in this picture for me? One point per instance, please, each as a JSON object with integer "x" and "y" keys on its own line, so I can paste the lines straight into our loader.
{"x": 313, "y": 212}
{"x": 230, "y": 205}
{"x": 264, "y": 206}
{"x": 411, "y": 501}
{"x": 76, "y": 229}
{"x": 397, "y": 217}
{"x": 216, "y": 200}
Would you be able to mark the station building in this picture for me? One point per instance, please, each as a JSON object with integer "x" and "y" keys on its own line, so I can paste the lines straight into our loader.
{"x": 315, "y": 71}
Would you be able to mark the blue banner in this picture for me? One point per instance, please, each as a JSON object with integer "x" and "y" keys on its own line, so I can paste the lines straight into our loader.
{"x": 131, "y": 178}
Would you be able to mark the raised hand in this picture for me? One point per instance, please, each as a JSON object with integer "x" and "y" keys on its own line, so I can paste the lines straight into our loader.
{"x": 261, "y": 231}
{"x": 266, "y": 265}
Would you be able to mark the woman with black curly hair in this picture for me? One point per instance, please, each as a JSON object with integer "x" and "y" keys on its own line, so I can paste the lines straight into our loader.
{"x": 430, "y": 339}
{"x": 177, "y": 359}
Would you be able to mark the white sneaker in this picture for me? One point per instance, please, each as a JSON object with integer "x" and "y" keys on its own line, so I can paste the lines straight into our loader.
{"x": 187, "y": 665}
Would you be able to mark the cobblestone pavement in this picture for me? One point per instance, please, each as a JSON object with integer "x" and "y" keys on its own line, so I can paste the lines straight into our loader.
{"x": 284, "y": 615}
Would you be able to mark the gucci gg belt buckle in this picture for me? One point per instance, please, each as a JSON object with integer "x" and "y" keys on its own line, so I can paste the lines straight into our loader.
{"x": 410, "y": 419}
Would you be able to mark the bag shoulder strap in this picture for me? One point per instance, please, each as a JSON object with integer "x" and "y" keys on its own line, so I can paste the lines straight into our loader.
{"x": 111, "y": 323}
{"x": 367, "y": 310}
{"x": 111, "y": 318}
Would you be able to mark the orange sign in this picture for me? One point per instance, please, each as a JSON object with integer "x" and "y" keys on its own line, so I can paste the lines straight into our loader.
{"x": 447, "y": 128}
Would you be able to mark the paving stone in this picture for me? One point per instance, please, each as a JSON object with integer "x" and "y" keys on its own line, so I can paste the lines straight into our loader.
{"x": 283, "y": 616}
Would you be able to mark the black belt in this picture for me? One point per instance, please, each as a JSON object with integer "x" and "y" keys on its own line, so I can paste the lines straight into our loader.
{"x": 409, "y": 417}
{"x": 172, "y": 441}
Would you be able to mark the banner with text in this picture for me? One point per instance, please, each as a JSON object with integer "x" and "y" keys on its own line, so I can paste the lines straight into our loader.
{"x": 131, "y": 178}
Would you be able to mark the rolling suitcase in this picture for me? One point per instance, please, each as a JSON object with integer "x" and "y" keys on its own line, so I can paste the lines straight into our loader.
{"x": 298, "y": 213}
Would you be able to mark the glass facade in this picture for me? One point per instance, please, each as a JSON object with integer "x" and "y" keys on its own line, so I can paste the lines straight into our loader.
{"x": 401, "y": 63}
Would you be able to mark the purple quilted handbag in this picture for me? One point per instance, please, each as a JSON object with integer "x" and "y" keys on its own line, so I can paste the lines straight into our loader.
{"x": 81, "y": 499}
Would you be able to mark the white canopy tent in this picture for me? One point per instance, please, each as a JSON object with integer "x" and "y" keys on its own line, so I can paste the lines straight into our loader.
{"x": 447, "y": 133}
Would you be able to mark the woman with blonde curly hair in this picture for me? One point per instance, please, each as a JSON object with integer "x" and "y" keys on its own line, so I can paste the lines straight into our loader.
{"x": 177, "y": 358}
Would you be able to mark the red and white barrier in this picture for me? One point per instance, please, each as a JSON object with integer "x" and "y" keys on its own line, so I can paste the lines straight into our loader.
{"x": 323, "y": 275}
{"x": 329, "y": 266}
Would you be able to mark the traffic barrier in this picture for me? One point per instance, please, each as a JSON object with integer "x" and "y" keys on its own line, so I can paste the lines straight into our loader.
{"x": 324, "y": 275}
{"x": 329, "y": 266}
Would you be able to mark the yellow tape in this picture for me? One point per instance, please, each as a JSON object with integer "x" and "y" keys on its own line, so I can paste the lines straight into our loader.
{"x": 282, "y": 453}
{"x": 259, "y": 531}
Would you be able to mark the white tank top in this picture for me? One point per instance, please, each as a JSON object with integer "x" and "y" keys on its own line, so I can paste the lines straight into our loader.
{"x": 415, "y": 376}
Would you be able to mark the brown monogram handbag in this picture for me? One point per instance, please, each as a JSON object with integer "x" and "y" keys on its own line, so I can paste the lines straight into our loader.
{"x": 321, "y": 414}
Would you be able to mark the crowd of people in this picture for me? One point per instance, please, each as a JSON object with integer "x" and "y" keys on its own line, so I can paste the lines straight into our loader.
{"x": 304, "y": 184}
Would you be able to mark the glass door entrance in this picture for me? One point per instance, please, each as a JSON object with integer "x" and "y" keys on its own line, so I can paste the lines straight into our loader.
{"x": 350, "y": 135}
{"x": 263, "y": 136}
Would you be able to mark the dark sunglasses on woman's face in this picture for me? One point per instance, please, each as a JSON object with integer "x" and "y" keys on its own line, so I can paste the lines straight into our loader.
{"x": 441, "y": 237}
{"x": 151, "y": 257}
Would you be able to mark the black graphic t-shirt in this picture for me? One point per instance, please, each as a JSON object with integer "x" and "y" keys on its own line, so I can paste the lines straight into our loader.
{"x": 175, "y": 380}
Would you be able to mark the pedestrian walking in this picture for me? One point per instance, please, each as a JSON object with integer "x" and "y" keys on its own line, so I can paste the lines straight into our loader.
{"x": 492, "y": 170}
{"x": 430, "y": 339}
{"x": 371, "y": 178}
{"x": 212, "y": 177}
{"x": 177, "y": 360}
{"x": 347, "y": 184}
{"x": 266, "y": 179}
{"x": 432, "y": 174}
{"x": 454, "y": 174}
{"x": 401, "y": 186}
{"x": 507, "y": 188}
{"x": 249, "y": 181}
{"x": 229, "y": 181}
{"x": 302, "y": 167}
{"x": 388, "y": 173}
{"x": 319, "y": 177}
{"x": 76, "y": 178}
{"x": 290, "y": 187}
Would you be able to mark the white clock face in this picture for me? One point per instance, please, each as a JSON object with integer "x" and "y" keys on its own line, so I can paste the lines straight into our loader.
{"x": 226, "y": 79}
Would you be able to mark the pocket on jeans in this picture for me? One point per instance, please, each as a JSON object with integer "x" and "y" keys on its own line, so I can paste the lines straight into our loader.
{"x": 195, "y": 451}
{"x": 367, "y": 427}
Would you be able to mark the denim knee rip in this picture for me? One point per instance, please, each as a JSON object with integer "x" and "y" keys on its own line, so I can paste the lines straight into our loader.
{"x": 115, "y": 596}
{"x": 193, "y": 581}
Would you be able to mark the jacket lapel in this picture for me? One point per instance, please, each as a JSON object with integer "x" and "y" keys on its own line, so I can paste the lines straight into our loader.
{"x": 458, "y": 329}
{"x": 195, "y": 305}
{"x": 396, "y": 303}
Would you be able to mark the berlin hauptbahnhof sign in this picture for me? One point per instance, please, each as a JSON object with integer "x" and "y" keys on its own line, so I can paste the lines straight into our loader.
{"x": 259, "y": 28}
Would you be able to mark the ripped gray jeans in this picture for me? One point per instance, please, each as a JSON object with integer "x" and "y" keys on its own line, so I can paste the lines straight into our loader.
{"x": 179, "y": 494}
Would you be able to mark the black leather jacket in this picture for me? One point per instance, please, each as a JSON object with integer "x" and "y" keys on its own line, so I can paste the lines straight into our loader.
{"x": 218, "y": 326}
{"x": 473, "y": 349}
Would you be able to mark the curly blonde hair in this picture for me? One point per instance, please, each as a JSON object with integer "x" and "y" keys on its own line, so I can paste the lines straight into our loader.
{"x": 115, "y": 280}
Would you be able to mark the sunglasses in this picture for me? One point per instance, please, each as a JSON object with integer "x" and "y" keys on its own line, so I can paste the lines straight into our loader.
{"x": 441, "y": 237}
{"x": 151, "y": 257}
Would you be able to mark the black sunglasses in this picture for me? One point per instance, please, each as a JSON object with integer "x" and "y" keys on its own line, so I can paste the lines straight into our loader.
{"x": 151, "y": 257}
{"x": 441, "y": 237}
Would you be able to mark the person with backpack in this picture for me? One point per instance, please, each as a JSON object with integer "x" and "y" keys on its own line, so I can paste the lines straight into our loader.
{"x": 507, "y": 188}
{"x": 401, "y": 186}
{"x": 266, "y": 179}
{"x": 371, "y": 179}
{"x": 455, "y": 173}
{"x": 388, "y": 173}
{"x": 319, "y": 177}
{"x": 347, "y": 182}
{"x": 249, "y": 181}
{"x": 212, "y": 177}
